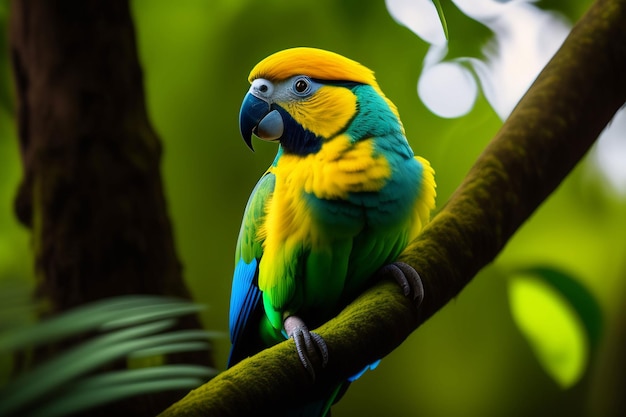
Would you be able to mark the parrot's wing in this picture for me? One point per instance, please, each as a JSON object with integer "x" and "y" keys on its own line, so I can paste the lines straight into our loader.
{"x": 245, "y": 299}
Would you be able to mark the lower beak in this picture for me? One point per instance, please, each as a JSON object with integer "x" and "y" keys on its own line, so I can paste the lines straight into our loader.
{"x": 257, "y": 118}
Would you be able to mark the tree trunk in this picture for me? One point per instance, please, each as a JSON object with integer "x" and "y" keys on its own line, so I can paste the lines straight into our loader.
{"x": 92, "y": 191}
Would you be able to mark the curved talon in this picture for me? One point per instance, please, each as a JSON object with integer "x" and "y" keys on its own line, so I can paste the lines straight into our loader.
{"x": 322, "y": 347}
{"x": 308, "y": 344}
{"x": 408, "y": 279}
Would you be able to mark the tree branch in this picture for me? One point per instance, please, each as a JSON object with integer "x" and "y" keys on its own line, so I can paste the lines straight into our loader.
{"x": 547, "y": 134}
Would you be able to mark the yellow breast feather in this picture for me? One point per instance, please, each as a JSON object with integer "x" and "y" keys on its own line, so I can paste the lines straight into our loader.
{"x": 339, "y": 168}
{"x": 426, "y": 203}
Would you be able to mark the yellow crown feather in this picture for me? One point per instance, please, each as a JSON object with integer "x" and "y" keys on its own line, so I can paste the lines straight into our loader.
{"x": 315, "y": 63}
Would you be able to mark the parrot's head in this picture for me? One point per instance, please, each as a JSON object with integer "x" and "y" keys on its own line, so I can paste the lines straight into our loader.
{"x": 302, "y": 97}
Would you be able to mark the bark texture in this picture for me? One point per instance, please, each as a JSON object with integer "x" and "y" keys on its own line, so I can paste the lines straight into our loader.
{"x": 548, "y": 133}
{"x": 91, "y": 191}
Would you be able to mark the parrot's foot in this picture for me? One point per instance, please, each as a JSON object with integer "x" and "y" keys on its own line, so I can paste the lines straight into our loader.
{"x": 408, "y": 279}
{"x": 309, "y": 345}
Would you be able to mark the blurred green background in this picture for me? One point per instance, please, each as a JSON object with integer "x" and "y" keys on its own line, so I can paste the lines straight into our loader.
{"x": 469, "y": 359}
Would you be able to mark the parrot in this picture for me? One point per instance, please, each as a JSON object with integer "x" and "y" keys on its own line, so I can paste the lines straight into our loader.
{"x": 343, "y": 197}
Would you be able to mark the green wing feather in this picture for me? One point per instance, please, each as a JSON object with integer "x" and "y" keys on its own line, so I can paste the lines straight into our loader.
{"x": 245, "y": 300}
{"x": 249, "y": 243}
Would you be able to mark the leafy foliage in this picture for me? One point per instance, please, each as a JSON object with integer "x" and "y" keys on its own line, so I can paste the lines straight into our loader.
{"x": 560, "y": 318}
{"x": 122, "y": 327}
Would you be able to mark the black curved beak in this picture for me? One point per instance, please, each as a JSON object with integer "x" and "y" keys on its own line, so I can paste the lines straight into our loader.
{"x": 257, "y": 119}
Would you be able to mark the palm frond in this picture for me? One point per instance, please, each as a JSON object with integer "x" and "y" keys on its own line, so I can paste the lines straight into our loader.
{"x": 126, "y": 327}
{"x": 116, "y": 385}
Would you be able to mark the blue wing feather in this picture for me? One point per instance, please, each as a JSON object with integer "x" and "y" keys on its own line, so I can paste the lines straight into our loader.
{"x": 245, "y": 296}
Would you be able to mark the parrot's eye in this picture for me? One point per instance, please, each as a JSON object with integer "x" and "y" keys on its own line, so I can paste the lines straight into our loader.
{"x": 301, "y": 86}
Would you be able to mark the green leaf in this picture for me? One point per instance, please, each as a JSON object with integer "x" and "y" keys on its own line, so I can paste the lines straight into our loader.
{"x": 559, "y": 317}
{"x": 104, "y": 314}
{"x": 115, "y": 385}
{"x": 442, "y": 17}
{"x": 135, "y": 328}
{"x": 469, "y": 36}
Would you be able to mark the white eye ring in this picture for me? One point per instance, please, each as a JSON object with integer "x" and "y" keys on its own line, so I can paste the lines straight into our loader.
{"x": 302, "y": 86}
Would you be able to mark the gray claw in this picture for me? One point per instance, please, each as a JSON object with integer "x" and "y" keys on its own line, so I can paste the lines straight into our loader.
{"x": 308, "y": 344}
{"x": 408, "y": 279}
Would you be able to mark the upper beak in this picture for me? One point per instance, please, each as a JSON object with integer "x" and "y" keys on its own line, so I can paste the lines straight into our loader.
{"x": 256, "y": 118}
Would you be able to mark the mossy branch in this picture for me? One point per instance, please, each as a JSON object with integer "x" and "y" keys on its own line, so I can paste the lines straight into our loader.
{"x": 548, "y": 133}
